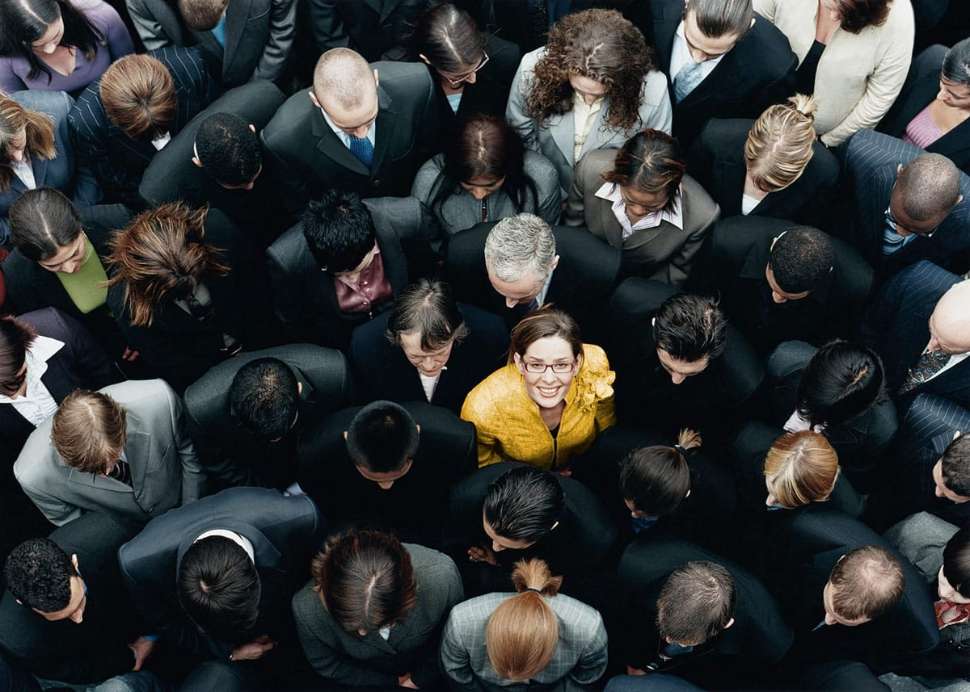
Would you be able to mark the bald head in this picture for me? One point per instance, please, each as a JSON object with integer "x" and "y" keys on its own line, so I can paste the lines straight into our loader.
{"x": 927, "y": 188}
{"x": 950, "y": 321}
{"x": 342, "y": 77}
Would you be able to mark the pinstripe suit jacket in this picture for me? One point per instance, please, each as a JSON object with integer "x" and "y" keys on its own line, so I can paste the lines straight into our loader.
{"x": 579, "y": 659}
{"x": 871, "y": 159}
{"x": 116, "y": 160}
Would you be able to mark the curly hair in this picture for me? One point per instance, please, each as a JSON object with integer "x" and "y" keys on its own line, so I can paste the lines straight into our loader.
{"x": 600, "y": 45}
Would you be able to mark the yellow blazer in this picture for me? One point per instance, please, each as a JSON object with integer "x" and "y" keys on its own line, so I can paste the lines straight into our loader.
{"x": 508, "y": 425}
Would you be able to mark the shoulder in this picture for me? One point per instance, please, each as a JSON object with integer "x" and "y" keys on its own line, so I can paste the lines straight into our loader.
{"x": 56, "y": 104}
{"x": 530, "y": 59}
{"x": 654, "y": 87}
{"x": 480, "y": 405}
{"x": 35, "y": 463}
{"x": 307, "y": 606}
{"x": 596, "y": 372}
{"x": 475, "y": 611}
{"x": 141, "y": 395}
{"x": 184, "y": 63}
{"x": 285, "y": 125}
{"x": 581, "y": 618}
{"x": 402, "y": 79}
{"x": 766, "y": 45}
{"x": 594, "y": 164}
{"x": 431, "y": 567}
{"x": 100, "y": 13}
{"x": 900, "y": 20}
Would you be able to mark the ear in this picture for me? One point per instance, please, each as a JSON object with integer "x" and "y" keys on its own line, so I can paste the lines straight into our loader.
{"x": 555, "y": 262}
{"x": 252, "y": 128}
{"x": 418, "y": 428}
{"x": 377, "y": 78}
{"x": 196, "y": 161}
{"x": 899, "y": 167}
{"x": 345, "y": 435}
{"x": 956, "y": 434}
{"x": 313, "y": 98}
{"x": 75, "y": 563}
{"x": 299, "y": 390}
{"x": 730, "y": 624}
{"x": 424, "y": 59}
{"x": 554, "y": 525}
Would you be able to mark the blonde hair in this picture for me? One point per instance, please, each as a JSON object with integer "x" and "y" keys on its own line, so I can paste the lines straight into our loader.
{"x": 40, "y": 135}
{"x": 89, "y": 430}
{"x": 801, "y": 468}
{"x": 522, "y": 633}
{"x": 780, "y": 142}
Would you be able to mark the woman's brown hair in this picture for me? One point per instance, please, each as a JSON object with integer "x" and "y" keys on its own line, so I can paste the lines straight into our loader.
{"x": 858, "y": 14}
{"x": 544, "y": 322}
{"x": 161, "y": 255}
{"x": 138, "y": 94}
{"x": 650, "y": 161}
{"x": 89, "y": 430}
{"x": 16, "y": 337}
{"x": 365, "y": 580}
{"x": 40, "y": 135}
{"x": 522, "y": 632}
{"x": 801, "y": 468}
{"x": 600, "y": 45}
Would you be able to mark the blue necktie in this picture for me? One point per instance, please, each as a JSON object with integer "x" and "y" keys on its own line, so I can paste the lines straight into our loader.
{"x": 363, "y": 150}
{"x": 219, "y": 31}
{"x": 687, "y": 79}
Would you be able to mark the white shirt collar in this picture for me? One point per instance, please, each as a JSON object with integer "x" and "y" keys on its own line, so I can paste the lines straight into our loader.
{"x": 343, "y": 136}
{"x": 674, "y": 214}
{"x": 236, "y": 538}
{"x": 37, "y": 356}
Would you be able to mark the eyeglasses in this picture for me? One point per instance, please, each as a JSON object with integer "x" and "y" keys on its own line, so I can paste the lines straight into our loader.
{"x": 455, "y": 83}
{"x": 534, "y": 368}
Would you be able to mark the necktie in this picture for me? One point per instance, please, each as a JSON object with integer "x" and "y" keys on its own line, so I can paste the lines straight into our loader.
{"x": 687, "y": 79}
{"x": 928, "y": 365}
{"x": 122, "y": 472}
{"x": 219, "y": 31}
{"x": 362, "y": 149}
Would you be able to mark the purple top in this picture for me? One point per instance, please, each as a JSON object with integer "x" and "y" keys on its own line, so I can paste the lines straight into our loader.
{"x": 117, "y": 43}
{"x": 922, "y": 131}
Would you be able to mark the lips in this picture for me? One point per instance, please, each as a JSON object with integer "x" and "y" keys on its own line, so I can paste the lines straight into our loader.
{"x": 548, "y": 392}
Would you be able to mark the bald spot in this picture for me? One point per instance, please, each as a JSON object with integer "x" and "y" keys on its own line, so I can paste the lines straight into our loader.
{"x": 342, "y": 78}
{"x": 930, "y": 185}
{"x": 951, "y": 317}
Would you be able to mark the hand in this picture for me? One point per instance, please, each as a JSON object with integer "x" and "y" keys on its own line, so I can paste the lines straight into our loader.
{"x": 254, "y": 650}
{"x": 130, "y": 355}
{"x": 142, "y": 648}
{"x": 406, "y": 681}
{"x": 630, "y": 670}
{"x": 478, "y": 554}
{"x": 565, "y": 472}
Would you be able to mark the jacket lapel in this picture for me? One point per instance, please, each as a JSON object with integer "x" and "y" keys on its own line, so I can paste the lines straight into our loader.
{"x": 330, "y": 145}
{"x": 562, "y": 128}
{"x": 386, "y": 124}
{"x": 40, "y": 170}
{"x": 237, "y": 14}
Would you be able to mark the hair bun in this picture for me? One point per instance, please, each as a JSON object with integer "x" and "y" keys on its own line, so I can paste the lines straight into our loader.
{"x": 804, "y": 104}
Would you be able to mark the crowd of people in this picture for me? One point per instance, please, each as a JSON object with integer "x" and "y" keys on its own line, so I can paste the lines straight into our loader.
{"x": 484, "y": 345}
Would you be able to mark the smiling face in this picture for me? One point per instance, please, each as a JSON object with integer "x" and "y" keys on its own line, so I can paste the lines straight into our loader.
{"x": 548, "y": 367}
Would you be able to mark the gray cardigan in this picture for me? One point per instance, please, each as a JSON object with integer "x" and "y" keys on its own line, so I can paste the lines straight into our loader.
{"x": 462, "y": 211}
{"x": 350, "y": 659}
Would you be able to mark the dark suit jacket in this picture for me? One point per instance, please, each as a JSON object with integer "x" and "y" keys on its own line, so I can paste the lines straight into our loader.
{"x": 172, "y": 176}
{"x": 921, "y": 87}
{"x": 377, "y": 29}
{"x": 757, "y": 72}
{"x": 113, "y": 158}
{"x": 712, "y": 402}
{"x": 31, "y": 287}
{"x": 304, "y": 298}
{"x": 258, "y": 36}
{"x": 738, "y": 254}
{"x": 80, "y": 364}
{"x": 97, "y": 648}
{"x": 177, "y": 347}
{"x": 283, "y": 531}
{"x": 382, "y": 371}
{"x": 235, "y": 456}
{"x": 871, "y": 159}
{"x": 587, "y": 272}
{"x": 897, "y": 327}
{"x": 308, "y": 157}
{"x": 717, "y": 161}
{"x": 758, "y": 637}
{"x": 816, "y": 538}
{"x": 414, "y": 507}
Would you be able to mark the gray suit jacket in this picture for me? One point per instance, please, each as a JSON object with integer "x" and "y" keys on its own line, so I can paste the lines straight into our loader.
{"x": 665, "y": 253}
{"x": 164, "y": 470}
{"x": 554, "y": 138}
{"x": 349, "y": 659}
{"x": 578, "y": 662}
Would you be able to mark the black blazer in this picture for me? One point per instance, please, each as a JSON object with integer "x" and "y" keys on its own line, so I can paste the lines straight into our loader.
{"x": 717, "y": 161}
{"x": 283, "y": 531}
{"x": 738, "y": 253}
{"x": 414, "y": 507}
{"x": 377, "y": 29}
{"x": 304, "y": 298}
{"x": 757, "y": 72}
{"x": 31, "y": 287}
{"x": 582, "y": 282}
{"x": 815, "y": 539}
{"x": 180, "y": 349}
{"x": 713, "y": 402}
{"x": 919, "y": 91}
{"x": 80, "y": 364}
{"x": 897, "y": 327}
{"x": 172, "y": 176}
{"x": 381, "y": 370}
{"x": 97, "y": 648}
{"x": 308, "y": 158}
{"x": 116, "y": 160}
{"x": 759, "y": 636}
{"x": 235, "y": 456}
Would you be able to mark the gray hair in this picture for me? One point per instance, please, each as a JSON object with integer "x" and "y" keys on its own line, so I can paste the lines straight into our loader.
{"x": 930, "y": 185}
{"x": 717, "y": 18}
{"x": 956, "y": 63}
{"x": 519, "y": 244}
{"x": 342, "y": 74}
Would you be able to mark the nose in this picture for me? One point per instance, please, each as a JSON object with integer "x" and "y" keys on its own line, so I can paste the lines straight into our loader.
{"x": 511, "y": 302}
{"x": 70, "y": 268}
{"x": 778, "y": 298}
{"x": 677, "y": 378}
{"x": 548, "y": 376}
{"x": 479, "y": 193}
{"x": 50, "y": 48}
{"x": 497, "y": 548}
{"x": 386, "y": 485}
{"x": 472, "y": 78}
{"x": 77, "y": 616}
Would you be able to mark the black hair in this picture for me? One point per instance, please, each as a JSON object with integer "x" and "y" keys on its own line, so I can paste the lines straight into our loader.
{"x": 955, "y": 466}
{"x": 38, "y": 574}
{"x": 24, "y": 21}
{"x": 219, "y": 588}
{"x": 228, "y": 149}
{"x": 339, "y": 230}
{"x": 956, "y": 63}
{"x": 448, "y": 37}
{"x": 655, "y": 479}
{"x": 42, "y": 221}
{"x": 381, "y": 437}
{"x": 841, "y": 381}
{"x": 690, "y": 327}
{"x": 264, "y": 397}
{"x": 523, "y": 504}
{"x": 956, "y": 561}
{"x": 801, "y": 258}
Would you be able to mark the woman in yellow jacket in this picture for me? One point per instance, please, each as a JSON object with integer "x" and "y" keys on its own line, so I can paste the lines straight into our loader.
{"x": 551, "y": 400}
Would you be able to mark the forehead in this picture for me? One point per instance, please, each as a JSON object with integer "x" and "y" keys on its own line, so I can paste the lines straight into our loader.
{"x": 411, "y": 341}
{"x": 714, "y": 45}
{"x": 682, "y": 366}
{"x": 550, "y": 348}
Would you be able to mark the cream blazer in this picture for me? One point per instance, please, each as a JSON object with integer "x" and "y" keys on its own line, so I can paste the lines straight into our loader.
{"x": 859, "y": 75}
